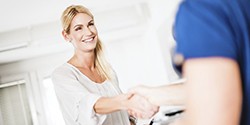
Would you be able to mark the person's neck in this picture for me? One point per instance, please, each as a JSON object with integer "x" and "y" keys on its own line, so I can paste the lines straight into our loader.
{"x": 83, "y": 60}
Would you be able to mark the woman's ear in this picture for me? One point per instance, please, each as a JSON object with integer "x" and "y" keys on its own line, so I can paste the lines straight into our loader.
{"x": 66, "y": 36}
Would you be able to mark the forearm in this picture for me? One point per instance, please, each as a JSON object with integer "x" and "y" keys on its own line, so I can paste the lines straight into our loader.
{"x": 106, "y": 105}
{"x": 168, "y": 95}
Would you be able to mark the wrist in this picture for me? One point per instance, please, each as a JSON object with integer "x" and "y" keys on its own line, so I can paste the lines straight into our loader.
{"x": 122, "y": 103}
{"x": 153, "y": 96}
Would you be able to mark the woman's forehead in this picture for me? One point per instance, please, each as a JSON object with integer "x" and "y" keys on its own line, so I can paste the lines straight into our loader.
{"x": 81, "y": 18}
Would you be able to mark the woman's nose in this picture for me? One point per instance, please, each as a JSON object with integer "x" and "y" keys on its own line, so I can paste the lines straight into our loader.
{"x": 87, "y": 31}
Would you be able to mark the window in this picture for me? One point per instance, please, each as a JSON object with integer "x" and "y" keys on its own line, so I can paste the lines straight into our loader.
{"x": 14, "y": 106}
{"x": 53, "y": 109}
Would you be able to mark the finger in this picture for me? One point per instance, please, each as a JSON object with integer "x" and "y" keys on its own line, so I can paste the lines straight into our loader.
{"x": 138, "y": 115}
{"x": 129, "y": 112}
{"x": 156, "y": 108}
{"x": 145, "y": 116}
{"x": 129, "y": 95}
{"x": 135, "y": 114}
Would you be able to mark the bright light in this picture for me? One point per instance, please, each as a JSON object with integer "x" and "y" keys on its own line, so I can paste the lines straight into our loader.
{"x": 53, "y": 111}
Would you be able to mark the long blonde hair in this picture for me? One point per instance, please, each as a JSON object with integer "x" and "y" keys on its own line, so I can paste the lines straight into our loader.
{"x": 101, "y": 63}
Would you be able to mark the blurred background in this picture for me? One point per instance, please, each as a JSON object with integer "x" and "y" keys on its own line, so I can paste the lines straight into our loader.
{"x": 138, "y": 40}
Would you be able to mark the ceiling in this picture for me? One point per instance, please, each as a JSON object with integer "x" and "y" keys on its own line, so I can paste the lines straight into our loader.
{"x": 23, "y": 13}
{"x": 29, "y": 27}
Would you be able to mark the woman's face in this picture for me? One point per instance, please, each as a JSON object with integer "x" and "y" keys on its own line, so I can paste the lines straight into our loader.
{"x": 83, "y": 33}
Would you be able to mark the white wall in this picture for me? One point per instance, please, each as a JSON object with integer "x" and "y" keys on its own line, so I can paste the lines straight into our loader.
{"x": 146, "y": 59}
{"x": 136, "y": 34}
{"x": 137, "y": 37}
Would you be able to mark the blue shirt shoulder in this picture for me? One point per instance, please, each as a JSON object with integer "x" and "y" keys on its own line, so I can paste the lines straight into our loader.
{"x": 217, "y": 28}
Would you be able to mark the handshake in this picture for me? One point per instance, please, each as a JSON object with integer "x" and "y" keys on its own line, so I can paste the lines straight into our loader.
{"x": 138, "y": 102}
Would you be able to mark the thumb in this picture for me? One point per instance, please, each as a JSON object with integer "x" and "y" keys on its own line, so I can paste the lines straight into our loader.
{"x": 129, "y": 95}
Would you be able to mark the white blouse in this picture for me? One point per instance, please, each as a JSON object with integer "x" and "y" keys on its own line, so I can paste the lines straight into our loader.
{"x": 77, "y": 95}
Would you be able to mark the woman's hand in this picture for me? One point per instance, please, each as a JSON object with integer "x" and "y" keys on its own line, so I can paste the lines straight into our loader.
{"x": 140, "y": 107}
{"x": 135, "y": 104}
{"x": 145, "y": 91}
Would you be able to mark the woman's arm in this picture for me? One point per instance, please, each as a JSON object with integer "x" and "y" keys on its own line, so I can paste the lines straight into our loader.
{"x": 106, "y": 105}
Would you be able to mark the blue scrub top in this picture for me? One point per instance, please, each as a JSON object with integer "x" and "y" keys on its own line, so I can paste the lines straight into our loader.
{"x": 221, "y": 28}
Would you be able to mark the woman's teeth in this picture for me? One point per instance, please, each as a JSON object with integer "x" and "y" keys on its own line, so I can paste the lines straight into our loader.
{"x": 88, "y": 40}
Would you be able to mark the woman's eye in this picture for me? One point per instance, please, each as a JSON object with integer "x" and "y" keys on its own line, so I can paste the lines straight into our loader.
{"x": 91, "y": 24}
{"x": 78, "y": 28}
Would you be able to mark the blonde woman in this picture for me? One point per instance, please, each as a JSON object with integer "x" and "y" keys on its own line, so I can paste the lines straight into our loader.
{"x": 86, "y": 86}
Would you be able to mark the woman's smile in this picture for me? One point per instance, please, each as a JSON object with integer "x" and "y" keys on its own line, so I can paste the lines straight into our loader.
{"x": 88, "y": 40}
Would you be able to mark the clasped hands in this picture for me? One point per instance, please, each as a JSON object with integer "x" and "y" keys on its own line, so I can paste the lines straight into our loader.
{"x": 139, "y": 105}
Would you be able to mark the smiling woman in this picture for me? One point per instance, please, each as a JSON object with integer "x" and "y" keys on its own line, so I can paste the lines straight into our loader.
{"x": 86, "y": 84}
{"x": 83, "y": 31}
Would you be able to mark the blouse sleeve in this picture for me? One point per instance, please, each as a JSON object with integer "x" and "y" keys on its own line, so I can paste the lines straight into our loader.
{"x": 75, "y": 100}
{"x": 115, "y": 81}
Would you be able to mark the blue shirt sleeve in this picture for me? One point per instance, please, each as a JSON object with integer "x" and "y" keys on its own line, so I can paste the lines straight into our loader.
{"x": 203, "y": 29}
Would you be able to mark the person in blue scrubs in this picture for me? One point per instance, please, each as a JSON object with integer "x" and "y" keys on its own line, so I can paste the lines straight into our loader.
{"x": 213, "y": 37}
{"x": 213, "y": 54}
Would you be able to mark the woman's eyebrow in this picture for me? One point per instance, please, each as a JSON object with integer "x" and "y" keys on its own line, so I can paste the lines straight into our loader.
{"x": 91, "y": 21}
{"x": 78, "y": 25}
